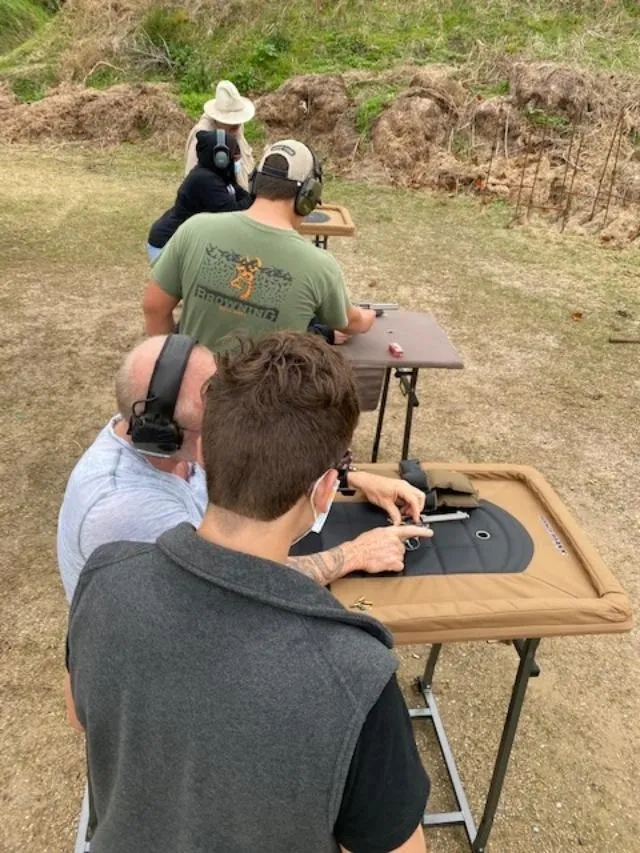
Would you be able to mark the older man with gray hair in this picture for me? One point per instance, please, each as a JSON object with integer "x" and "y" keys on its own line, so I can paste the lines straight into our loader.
{"x": 142, "y": 475}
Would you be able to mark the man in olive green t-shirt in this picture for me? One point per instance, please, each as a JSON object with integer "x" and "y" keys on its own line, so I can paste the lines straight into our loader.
{"x": 251, "y": 271}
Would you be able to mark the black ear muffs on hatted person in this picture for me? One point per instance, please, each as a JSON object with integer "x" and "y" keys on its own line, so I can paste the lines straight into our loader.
{"x": 211, "y": 187}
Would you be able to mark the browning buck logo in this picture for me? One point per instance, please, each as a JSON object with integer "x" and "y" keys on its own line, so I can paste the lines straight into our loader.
{"x": 241, "y": 284}
{"x": 246, "y": 269}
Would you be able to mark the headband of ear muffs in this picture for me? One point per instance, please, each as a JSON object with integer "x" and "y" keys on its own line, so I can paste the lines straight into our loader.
{"x": 152, "y": 425}
{"x": 309, "y": 194}
{"x": 221, "y": 153}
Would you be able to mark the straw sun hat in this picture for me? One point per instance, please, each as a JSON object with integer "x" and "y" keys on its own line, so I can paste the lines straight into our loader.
{"x": 228, "y": 106}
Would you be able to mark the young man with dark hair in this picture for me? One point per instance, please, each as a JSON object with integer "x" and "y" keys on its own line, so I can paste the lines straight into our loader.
{"x": 252, "y": 270}
{"x": 231, "y": 704}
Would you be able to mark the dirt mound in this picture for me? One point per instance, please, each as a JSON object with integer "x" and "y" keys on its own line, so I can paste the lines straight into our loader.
{"x": 553, "y": 88}
{"x": 313, "y": 102}
{"x": 621, "y": 231}
{"x": 440, "y": 82}
{"x": 317, "y": 109}
{"x": 125, "y": 113}
{"x": 7, "y": 99}
{"x": 407, "y": 134}
{"x": 524, "y": 146}
{"x": 433, "y": 128}
{"x": 496, "y": 124}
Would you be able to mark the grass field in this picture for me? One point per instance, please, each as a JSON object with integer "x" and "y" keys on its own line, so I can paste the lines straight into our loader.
{"x": 258, "y": 45}
{"x": 539, "y": 388}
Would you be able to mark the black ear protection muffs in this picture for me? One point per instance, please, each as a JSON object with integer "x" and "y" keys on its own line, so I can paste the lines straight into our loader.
{"x": 309, "y": 194}
{"x": 151, "y": 425}
{"x": 221, "y": 153}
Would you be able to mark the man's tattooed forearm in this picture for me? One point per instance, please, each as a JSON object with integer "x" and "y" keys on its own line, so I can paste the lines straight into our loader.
{"x": 323, "y": 568}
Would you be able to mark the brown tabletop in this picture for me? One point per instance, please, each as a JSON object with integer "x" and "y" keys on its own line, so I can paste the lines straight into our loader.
{"x": 328, "y": 220}
{"x": 425, "y": 343}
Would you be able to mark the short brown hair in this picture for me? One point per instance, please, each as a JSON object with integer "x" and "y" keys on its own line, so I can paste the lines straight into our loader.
{"x": 275, "y": 189}
{"x": 279, "y": 412}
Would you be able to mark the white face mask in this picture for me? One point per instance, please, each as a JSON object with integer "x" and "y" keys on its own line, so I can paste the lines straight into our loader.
{"x": 319, "y": 518}
{"x": 237, "y": 166}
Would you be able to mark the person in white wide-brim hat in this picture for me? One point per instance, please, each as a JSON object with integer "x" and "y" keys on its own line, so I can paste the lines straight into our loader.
{"x": 227, "y": 111}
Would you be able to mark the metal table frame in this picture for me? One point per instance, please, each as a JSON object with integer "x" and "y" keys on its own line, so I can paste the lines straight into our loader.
{"x": 462, "y": 816}
{"x": 408, "y": 377}
{"x": 82, "y": 843}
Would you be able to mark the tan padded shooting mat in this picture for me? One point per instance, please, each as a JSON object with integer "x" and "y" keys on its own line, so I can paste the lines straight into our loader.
{"x": 328, "y": 220}
{"x": 566, "y": 589}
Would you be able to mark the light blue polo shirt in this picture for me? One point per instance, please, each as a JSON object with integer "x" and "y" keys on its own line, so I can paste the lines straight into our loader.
{"x": 114, "y": 493}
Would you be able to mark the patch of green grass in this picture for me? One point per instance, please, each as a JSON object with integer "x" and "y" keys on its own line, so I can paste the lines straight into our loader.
{"x": 50, "y": 5}
{"x": 29, "y": 89}
{"x": 255, "y": 132}
{"x": 167, "y": 27}
{"x": 19, "y": 19}
{"x": 490, "y": 90}
{"x": 542, "y": 118}
{"x": 105, "y": 76}
{"x": 263, "y": 67}
{"x": 369, "y": 110}
{"x": 193, "y": 102}
{"x": 461, "y": 145}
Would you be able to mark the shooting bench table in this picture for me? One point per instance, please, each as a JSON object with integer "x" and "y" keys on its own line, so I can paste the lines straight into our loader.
{"x": 328, "y": 220}
{"x": 425, "y": 344}
{"x": 518, "y": 569}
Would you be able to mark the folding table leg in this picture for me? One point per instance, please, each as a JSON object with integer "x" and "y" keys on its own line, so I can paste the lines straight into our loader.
{"x": 82, "y": 844}
{"x": 411, "y": 404}
{"x": 462, "y": 816}
{"x": 426, "y": 682}
{"x": 383, "y": 406}
{"x": 526, "y": 669}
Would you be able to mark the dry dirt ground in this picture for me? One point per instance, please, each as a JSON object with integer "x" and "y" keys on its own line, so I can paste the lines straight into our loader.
{"x": 539, "y": 388}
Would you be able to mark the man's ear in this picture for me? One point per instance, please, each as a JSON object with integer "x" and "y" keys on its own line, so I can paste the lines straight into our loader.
{"x": 326, "y": 490}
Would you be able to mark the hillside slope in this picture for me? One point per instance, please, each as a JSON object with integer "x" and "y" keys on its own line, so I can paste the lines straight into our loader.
{"x": 260, "y": 44}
